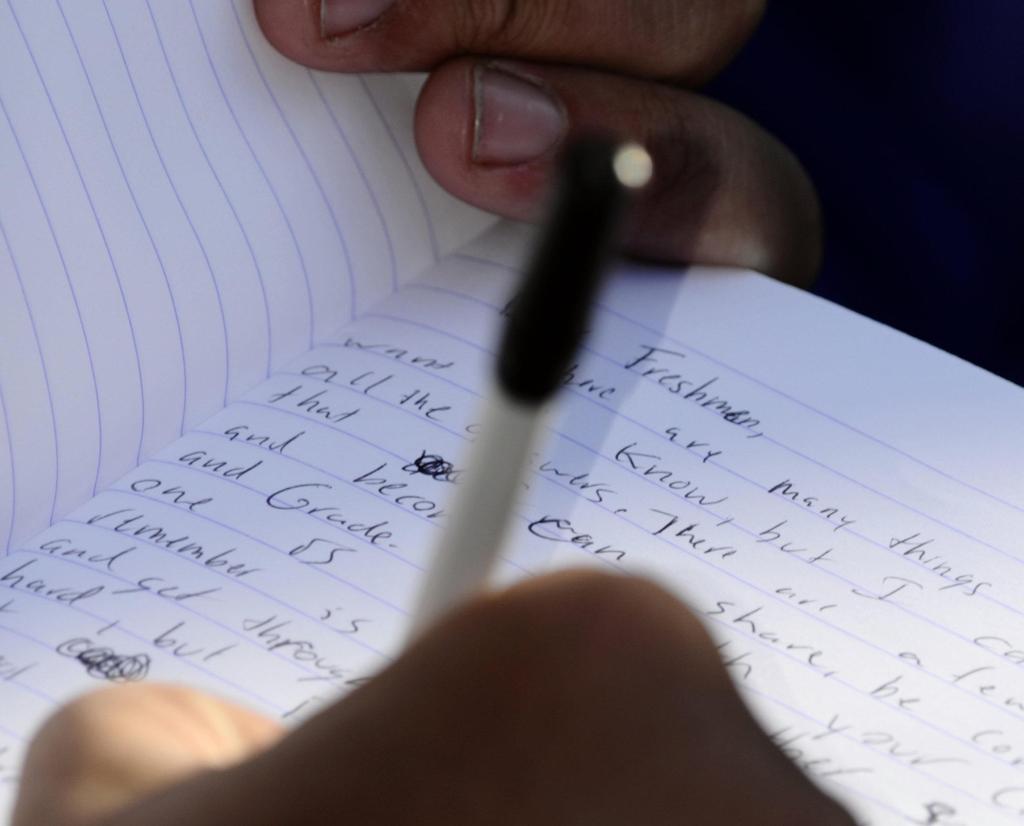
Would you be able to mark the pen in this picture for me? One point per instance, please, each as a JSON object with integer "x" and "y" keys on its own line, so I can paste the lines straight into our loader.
{"x": 546, "y": 322}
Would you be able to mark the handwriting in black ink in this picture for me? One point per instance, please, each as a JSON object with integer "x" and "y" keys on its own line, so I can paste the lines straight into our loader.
{"x": 103, "y": 663}
{"x": 434, "y": 466}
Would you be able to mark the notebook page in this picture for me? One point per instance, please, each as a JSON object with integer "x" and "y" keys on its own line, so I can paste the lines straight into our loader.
{"x": 182, "y": 210}
{"x": 744, "y": 443}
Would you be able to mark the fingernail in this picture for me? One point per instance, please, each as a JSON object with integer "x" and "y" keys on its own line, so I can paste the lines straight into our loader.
{"x": 516, "y": 120}
{"x": 338, "y": 17}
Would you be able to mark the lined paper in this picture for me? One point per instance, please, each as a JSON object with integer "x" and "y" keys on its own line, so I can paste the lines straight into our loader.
{"x": 182, "y": 211}
{"x": 234, "y": 409}
{"x": 850, "y": 542}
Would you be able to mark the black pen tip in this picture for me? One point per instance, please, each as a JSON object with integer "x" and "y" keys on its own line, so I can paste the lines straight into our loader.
{"x": 548, "y": 318}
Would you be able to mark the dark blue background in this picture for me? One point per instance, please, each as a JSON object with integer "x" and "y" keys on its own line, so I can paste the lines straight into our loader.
{"x": 909, "y": 116}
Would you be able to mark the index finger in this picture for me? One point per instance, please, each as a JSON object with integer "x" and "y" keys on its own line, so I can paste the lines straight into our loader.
{"x": 681, "y": 40}
{"x": 517, "y": 709}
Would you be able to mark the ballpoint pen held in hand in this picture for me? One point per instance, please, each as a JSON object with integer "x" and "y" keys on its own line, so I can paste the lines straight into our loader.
{"x": 545, "y": 326}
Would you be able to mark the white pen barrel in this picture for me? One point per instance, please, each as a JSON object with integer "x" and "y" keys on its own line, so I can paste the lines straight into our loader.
{"x": 485, "y": 502}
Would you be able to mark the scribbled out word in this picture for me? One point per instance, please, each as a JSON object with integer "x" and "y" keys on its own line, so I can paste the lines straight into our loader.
{"x": 103, "y": 663}
{"x": 434, "y": 466}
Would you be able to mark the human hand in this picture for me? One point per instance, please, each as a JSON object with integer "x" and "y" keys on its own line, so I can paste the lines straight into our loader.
{"x": 511, "y": 79}
{"x": 575, "y": 698}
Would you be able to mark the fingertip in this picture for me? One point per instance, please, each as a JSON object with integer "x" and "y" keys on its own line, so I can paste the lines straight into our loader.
{"x": 444, "y": 122}
{"x": 725, "y": 192}
{"x": 289, "y": 26}
{"x": 295, "y": 29}
{"x": 107, "y": 748}
{"x": 450, "y": 122}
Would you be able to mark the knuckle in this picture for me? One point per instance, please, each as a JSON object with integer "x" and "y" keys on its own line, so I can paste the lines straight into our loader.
{"x": 735, "y": 23}
{"x": 592, "y": 624}
{"x": 697, "y": 39}
{"x": 743, "y": 18}
{"x": 745, "y": 15}
{"x": 676, "y": 40}
{"x": 505, "y": 25}
{"x": 564, "y": 645}
{"x": 687, "y": 153}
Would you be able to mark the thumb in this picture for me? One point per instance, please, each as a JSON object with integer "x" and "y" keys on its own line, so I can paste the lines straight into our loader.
{"x": 725, "y": 192}
{"x": 107, "y": 749}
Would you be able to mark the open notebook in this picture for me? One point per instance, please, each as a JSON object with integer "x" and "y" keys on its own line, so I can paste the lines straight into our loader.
{"x": 244, "y": 339}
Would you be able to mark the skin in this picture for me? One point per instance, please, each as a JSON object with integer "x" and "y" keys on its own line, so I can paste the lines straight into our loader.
{"x": 575, "y": 698}
{"x": 726, "y": 192}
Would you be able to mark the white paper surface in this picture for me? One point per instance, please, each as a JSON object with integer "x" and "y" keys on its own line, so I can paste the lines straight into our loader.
{"x": 722, "y": 433}
{"x": 182, "y": 210}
